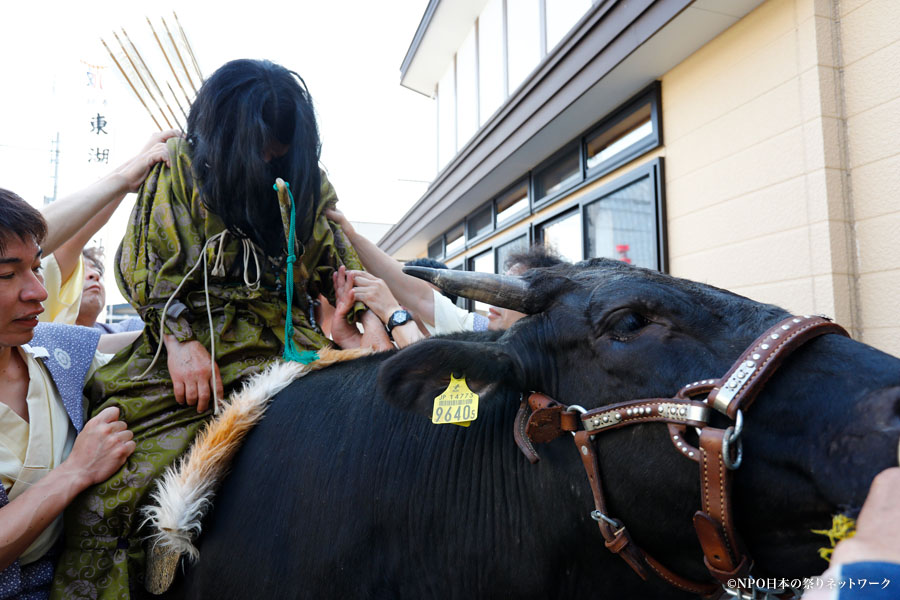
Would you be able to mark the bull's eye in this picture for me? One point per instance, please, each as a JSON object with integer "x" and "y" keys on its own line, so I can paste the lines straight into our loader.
{"x": 624, "y": 324}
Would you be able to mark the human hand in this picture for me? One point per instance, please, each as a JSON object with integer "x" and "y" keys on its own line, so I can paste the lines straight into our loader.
{"x": 189, "y": 367}
{"x": 878, "y": 526}
{"x": 134, "y": 171}
{"x": 374, "y": 334}
{"x": 374, "y": 293}
{"x": 339, "y": 218}
{"x": 344, "y": 334}
{"x": 101, "y": 448}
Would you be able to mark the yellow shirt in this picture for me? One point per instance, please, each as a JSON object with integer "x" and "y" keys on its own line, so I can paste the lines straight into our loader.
{"x": 29, "y": 450}
{"x": 63, "y": 297}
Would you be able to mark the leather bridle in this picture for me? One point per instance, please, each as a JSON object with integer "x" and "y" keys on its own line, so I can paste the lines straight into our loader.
{"x": 541, "y": 419}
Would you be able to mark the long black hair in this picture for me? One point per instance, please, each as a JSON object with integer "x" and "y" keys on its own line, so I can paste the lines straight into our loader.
{"x": 244, "y": 109}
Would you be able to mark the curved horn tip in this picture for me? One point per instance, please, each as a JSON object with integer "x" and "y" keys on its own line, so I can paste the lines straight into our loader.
{"x": 426, "y": 273}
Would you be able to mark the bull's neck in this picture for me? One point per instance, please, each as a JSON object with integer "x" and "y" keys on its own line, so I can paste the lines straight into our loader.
{"x": 536, "y": 360}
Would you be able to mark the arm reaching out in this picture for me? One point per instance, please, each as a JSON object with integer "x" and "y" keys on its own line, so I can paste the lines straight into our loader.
{"x": 374, "y": 293}
{"x": 99, "y": 451}
{"x": 74, "y": 220}
{"x": 413, "y": 293}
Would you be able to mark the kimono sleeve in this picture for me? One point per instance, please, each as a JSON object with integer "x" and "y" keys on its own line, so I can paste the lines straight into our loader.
{"x": 332, "y": 249}
{"x": 163, "y": 240}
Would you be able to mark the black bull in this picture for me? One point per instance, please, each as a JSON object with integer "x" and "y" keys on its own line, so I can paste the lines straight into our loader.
{"x": 343, "y": 491}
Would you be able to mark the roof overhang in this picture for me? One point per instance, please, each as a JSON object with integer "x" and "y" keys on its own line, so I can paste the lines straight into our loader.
{"x": 613, "y": 52}
{"x": 441, "y": 32}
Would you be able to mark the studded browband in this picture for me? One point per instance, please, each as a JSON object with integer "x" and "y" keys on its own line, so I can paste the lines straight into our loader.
{"x": 541, "y": 419}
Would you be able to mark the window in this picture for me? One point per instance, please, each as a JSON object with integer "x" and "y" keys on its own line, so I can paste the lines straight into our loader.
{"x": 491, "y": 73}
{"x": 559, "y": 174}
{"x": 523, "y": 30}
{"x": 436, "y": 249}
{"x": 626, "y": 134}
{"x": 480, "y": 223}
{"x": 621, "y": 220}
{"x": 562, "y": 16}
{"x": 503, "y": 251}
{"x": 466, "y": 90}
{"x": 482, "y": 263}
{"x": 512, "y": 203}
{"x": 454, "y": 240}
{"x": 563, "y": 234}
{"x": 622, "y": 224}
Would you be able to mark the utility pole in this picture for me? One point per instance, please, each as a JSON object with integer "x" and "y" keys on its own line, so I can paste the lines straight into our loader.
{"x": 54, "y": 167}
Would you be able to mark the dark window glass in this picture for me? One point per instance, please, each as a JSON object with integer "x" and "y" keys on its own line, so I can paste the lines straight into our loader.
{"x": 560, "y": 174}
{"x": 503, "y": 252}
{"x": 480, "y": 223}
{"x": 436, "y": 249}
{"x": 461, "y": 302}
{"x": 512, "y": 203}
{"x": 563, "y": 234}
{"x": 632, "y": 131}
{"x": 454, "y": 240}
{"x": 622, "y": 225}
{"x": 482, "y": 263}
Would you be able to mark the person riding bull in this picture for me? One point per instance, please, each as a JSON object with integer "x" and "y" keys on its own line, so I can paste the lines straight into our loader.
{"x": 206, "y": 262}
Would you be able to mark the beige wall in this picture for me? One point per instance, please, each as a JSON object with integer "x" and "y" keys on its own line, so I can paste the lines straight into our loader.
{"x": 781, "y": 185}
{"x": 870, "y": 43}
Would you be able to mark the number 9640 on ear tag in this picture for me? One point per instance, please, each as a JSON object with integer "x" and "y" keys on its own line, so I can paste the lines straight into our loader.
{"x": 457, "y": 404}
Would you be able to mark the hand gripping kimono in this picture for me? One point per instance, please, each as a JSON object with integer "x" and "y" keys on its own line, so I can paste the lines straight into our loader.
{"x": 168, "y": 229}
{"x": 30, "y": 450}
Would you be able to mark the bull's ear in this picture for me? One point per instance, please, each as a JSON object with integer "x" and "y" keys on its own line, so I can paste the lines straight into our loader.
{"x": 412, "y": 378}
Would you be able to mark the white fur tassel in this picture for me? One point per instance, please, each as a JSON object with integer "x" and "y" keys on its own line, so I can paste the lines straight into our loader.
{"x": 184, "y": 492}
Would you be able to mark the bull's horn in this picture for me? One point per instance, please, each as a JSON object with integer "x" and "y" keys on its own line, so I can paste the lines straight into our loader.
{"x": 505, "y": 291}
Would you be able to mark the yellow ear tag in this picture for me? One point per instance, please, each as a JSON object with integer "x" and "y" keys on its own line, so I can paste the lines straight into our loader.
{"x": 457, "y": 404}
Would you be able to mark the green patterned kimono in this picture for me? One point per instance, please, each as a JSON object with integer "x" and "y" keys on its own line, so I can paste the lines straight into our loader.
{"x": 169, "y": 226}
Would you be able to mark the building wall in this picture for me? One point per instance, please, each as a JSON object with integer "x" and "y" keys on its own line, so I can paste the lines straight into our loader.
{"x": 778, "y": 181}
{"x": 870, "y": 46}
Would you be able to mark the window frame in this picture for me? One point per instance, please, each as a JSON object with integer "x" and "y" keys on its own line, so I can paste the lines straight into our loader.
{"x": 652, "y": 169}
{"x": 576, "y": 145}
{"x": 474, "y": 238}
{"x": 650, "y": 94}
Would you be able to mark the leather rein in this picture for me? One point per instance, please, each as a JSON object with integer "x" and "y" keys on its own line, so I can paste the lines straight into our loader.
{"x": 541, "y": 419}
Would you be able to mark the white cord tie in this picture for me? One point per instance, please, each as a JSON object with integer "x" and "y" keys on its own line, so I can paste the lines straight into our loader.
{"x": 218, "y": 270}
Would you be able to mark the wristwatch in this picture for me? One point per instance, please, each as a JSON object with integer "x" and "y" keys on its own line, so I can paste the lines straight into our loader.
{"x": 398, "y": 317}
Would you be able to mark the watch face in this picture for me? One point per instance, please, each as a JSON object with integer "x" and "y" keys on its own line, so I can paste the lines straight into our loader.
{"x": 399, "y": 317}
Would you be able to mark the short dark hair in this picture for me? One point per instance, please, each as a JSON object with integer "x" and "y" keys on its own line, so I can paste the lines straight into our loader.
{"x": 539, "y": 255}
{"x": 426, "y": 262}
{"x": 95, "y": 255}
{"x": 19, "y": 219}
{"x": 432, "y": 264}
{"x": 241, "y": 109}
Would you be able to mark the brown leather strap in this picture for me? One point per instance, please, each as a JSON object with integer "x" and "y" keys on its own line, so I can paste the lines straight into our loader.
{"x": 739, "y": 387}
{"x": 549, "y": 419}
{"x": 617, "y": 538}
{"x": 723, "y": 552}
{"x": 521, "y": 436}
{"x": 648, "y": 410}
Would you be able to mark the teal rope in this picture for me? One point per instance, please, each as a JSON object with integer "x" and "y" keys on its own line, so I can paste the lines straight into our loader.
{"x": 290, "y": 351}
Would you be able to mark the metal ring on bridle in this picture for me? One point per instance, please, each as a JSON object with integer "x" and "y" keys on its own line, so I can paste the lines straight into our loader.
{"x": 732, "y": 438}
{"x": 599, "y": 516}
{"x": 579, "y": 409}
